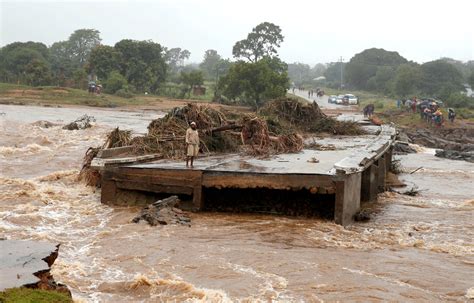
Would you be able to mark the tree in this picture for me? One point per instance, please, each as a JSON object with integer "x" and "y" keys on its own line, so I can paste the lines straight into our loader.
{"x": 141, "y": 63}
{"x": 333, "y": 73}
{"x": 407, "y": 80}
{"x": 62, "y": 65}
{"x": 37, "y": 73}
{"x": 263, "y": 41}
{"x": 382, "y": 80}
{"x": 318, "y": 70}
{"x": 299, "y": 73}
{"x": 210, "y": 63}
{"x": 440, "y": 79}
{"x": 115, "y": 81}
{"x": 175, "y": 57}
{"x": 254, "y": 83}
{"x": 470, "y": 80}
{"x": 81, "y": 42}
{"x": 17, "y": 57}
{"x": 103, "y": 60}
{"x": 365, "y": 65}
{"x": 191, "y": 79}
{"x": 79, "y": 76}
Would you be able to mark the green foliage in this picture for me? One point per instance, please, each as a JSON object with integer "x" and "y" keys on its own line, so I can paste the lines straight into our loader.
{"x": 142, "y": 63}
{"x": 303, "y": 74}
{"x": 175, "y": 57}
{"x": 191, "y": 79}
{"x": 299, "y": 73}
{"x": 124, "y": 93}
{"x": 440, "y": 79}
{"x": 37, "y": 73}
{"x": 28, "y": 295}
{"x": 253, "y": 83}
{"x": 81, "y": 42}
{"x": 366, "y": 64}
{"x": 79, "y": 77}
{"x": 333, "y": 74}
{"x": 103, "y": 60}
{"x": 458, "y": 100}
{"x": 470, "y": 80}
{"x": 20, "y": 62}
{"x": 263, "y": 41}
{"x": 62, "y": 64}
{"x": 407, "y": 80}
{"x": 383, "y": 79}
{"x": 115, "y": 81}
{"x": 210, "y": 64}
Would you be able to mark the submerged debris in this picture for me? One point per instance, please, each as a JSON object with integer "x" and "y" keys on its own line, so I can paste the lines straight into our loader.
{"x": 414, "y": 191}
{"x": 362, "y": 215}
{"x": 396, "y": 167}
{"x": 118, "y": 138}
{"x": 403, "y": 148}
{"x": 455, "y": 155}
{"x": 163, "y": 212}
{"x": 87, "y": 174}
{"x": 80, "y": 123}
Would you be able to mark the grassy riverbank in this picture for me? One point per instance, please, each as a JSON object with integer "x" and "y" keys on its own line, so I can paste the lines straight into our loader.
{"x": 52, "y": 95}
{"x": 28, "y": 295}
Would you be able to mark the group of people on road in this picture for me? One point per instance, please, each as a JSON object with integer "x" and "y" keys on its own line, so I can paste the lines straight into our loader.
{"x": 319, "y": 92}
{"x": 429, "y": 111}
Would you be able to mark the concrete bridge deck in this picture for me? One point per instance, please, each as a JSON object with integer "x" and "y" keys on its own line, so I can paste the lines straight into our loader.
{"x": 353, "y": 172}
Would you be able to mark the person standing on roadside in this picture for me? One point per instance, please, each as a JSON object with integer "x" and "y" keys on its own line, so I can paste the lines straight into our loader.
{"x": 451, "y": 115}
{"x": 192, "y": 143}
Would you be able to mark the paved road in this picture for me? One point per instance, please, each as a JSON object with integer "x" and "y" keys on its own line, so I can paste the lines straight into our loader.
{"x": 348, "y": 113}
{"x": 322, "y": 101}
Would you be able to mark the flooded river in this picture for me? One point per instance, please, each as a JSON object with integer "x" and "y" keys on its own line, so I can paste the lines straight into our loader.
{"x": 417, "y": 249}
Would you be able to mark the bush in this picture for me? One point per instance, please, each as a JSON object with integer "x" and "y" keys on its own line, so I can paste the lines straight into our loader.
{"x": 124, "y": 93}
{"x": 115, "y": 82}
{"x": 465, "y": 113}
{"x": 458, "y": 100}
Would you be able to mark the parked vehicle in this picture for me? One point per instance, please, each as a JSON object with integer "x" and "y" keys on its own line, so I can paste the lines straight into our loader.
{"x": 350, "y": 99}
{"x": 332, "y": 99}
{"x": 339, "y": 99}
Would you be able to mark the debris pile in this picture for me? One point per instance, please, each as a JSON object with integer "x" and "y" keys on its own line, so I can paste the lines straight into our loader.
{"x": 87, "y": 174}
{"x": 118, "y": 138}
{"x": 163, "y": 212}
{"x": 80, "y": 123}
{"x": 290, "y": 114}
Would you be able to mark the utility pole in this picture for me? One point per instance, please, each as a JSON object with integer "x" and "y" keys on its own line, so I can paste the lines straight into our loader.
{"x": 341, "y": 73}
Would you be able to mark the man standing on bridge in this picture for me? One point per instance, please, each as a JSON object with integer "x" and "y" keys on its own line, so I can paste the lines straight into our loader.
{"x": 192, "y": 143}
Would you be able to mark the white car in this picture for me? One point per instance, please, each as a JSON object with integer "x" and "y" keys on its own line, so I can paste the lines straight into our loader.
{"x": 339, "y": 99}
{"x": 351, "y": 99}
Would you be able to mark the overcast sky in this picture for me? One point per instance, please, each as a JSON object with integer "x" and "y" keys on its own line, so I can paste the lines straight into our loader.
{"x": 315, "y": 31}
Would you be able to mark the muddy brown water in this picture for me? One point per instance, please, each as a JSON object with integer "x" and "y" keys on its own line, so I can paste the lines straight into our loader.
{"x": 417, "y": 249}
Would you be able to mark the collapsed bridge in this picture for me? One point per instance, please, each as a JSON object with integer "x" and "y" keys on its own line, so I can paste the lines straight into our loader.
{"x": 337, "y": 181}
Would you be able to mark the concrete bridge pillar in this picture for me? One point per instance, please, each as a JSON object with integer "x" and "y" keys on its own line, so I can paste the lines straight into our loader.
{"x": 369, "y": 186}
{"x": 348, "y": 189}
{"x": 381, "y": 173}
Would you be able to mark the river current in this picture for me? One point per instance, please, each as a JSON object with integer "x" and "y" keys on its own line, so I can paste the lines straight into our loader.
{"x": 417, "y": 249}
